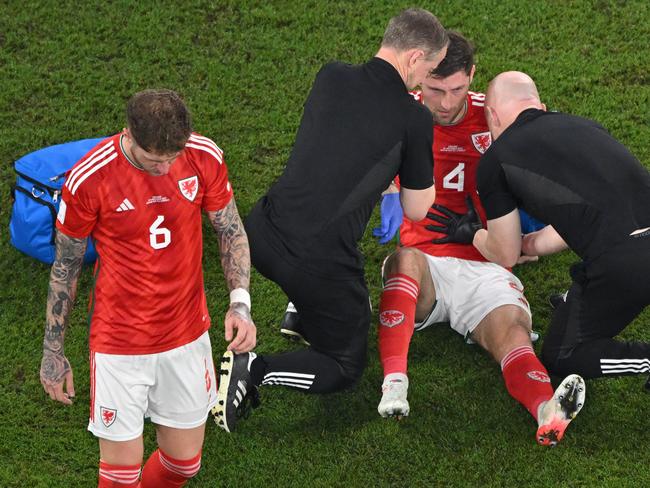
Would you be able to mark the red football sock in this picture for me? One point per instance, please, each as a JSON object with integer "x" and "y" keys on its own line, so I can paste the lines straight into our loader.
{"x": 526, "y": 378}
{"x": 396, "y": 321}
{"x": 162, "y": 471}
{"x": 114, "y": 476}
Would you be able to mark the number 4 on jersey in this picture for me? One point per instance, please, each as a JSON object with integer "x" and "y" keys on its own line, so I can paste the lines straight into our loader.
{"x": 159, "y": 237}
{"x": 459, "y": 173}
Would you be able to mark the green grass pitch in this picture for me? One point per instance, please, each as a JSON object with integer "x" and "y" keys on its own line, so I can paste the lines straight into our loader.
{"x": 244, "y": 67}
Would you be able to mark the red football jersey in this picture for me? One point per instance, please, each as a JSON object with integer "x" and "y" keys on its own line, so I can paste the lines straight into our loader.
{"x": 148, "y": 294}
{"x": 456, "y": 152}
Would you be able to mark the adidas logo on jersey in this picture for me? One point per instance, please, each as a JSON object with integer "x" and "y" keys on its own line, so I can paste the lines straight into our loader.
{"x": 125, "y": 206}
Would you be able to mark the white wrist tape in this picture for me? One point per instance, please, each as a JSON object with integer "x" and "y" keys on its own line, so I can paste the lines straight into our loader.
{"x": 240, "y": 295}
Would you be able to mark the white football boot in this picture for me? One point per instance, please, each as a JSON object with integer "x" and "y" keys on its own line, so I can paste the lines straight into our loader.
{"x": 393, "y": 400}
{"x": 555, "y": 414}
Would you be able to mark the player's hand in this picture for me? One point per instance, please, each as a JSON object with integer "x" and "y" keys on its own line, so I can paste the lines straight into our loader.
{"x": 240, "y": 324}
{"x": 391, "y": 218}
{"x": 56, "y": 374}
{"x": 459, "y": 228}
{"x": 523, "y": 259}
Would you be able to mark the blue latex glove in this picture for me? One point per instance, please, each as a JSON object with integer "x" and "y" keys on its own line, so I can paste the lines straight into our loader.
{"x": 391, "y": 218}
{"x": 529, "y": 224}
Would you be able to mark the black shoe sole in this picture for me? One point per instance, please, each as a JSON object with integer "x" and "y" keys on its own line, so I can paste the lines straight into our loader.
{"x": 294, "y": 336}
{"x": 570, "y": 404}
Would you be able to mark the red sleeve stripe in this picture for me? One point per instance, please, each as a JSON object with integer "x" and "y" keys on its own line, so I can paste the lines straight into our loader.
{"x": 83, "y": 176}
{"x": 81, "y": 168}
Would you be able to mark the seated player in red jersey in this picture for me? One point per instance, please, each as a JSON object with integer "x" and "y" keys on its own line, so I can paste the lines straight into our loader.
{"x": 430, "y": 279}
{"x": 140, "y": 195}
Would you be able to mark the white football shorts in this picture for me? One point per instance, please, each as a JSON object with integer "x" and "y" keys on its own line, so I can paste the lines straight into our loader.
{"x": 175, "y": 388}
{"x": 466, "y": 291}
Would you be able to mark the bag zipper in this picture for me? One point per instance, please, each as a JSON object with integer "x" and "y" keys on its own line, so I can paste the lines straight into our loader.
{"x": 53, "y": 191}
{"x": 52, "y": 208}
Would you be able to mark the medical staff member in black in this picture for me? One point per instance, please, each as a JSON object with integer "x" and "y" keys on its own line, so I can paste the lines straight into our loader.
{"x": 571, "y": 173}
{"x": 360, "y": 128}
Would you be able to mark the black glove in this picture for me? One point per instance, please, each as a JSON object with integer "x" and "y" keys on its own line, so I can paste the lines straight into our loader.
{"x": 459, "y": 228}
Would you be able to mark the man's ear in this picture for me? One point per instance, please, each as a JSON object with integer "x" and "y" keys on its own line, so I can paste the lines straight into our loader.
{"x": 413, "y": 56}
{"x": 494, "y": 117}
{"x": 471, "y": 74}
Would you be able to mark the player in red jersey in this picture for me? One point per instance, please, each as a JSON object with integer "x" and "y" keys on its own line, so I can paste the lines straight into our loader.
{"x": 430, "y": 279}
{"x": 140, "y": 194}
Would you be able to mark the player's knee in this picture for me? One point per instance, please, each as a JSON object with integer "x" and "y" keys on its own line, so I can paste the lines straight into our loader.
{"x": 500, "y": 335}
{"x": 518, "y": 334}
{"x": 405, "y": 260}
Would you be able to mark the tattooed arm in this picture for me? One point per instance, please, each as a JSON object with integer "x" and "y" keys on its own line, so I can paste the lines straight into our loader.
{"x": 236, "y": 264}
{"x": 55, "y": 368}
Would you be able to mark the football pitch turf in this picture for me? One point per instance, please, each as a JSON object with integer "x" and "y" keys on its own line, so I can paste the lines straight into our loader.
{"x": 244, "y": 68}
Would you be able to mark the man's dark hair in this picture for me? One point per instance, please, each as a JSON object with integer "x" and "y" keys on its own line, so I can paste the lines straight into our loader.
{"x": 459, "y": 57}
{"x": 415, "y": 28}
{"x": 159, "y": 121}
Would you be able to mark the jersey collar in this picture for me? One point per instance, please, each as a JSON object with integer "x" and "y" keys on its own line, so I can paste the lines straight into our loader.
{"x": 123, "y": 149}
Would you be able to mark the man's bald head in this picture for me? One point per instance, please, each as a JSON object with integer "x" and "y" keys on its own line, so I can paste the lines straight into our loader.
{"x": 512, "y": 87}
{"x": 508, "y": 95}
